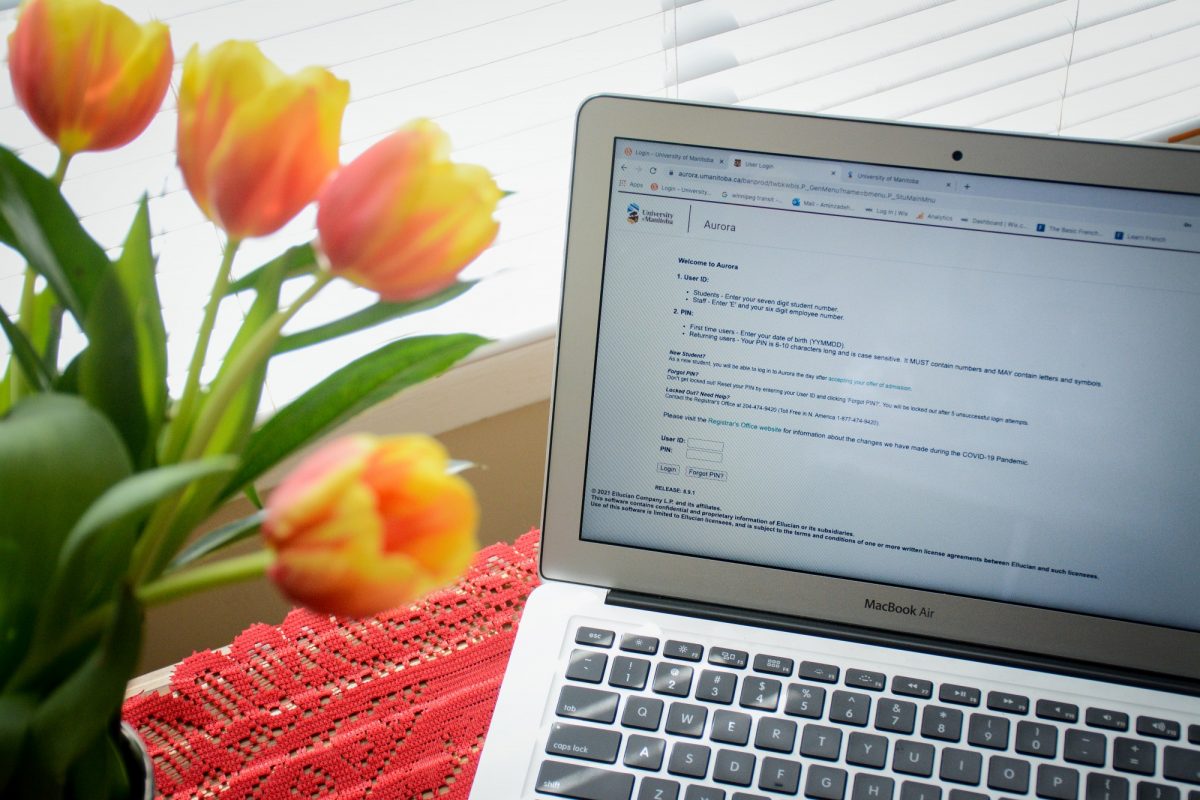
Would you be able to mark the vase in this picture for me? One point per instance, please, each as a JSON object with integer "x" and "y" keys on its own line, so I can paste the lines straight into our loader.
{"x": 138, "y": 765}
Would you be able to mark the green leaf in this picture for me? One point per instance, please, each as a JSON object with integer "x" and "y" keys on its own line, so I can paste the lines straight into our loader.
{"x": 97, "y": 551}
{"x": 85, "y": 704}
{"x": 16, "y": 712}
{"x": 57, "y": 455}
{"x": 36, "y": 221}
{"x": 123, "y": 372}
{"x": 368, "y": 318}
{"x": 351, "y": 389}
{"x": 296, "y": 261}
{"x": 24, "y": 355}
{"x": 219, "y": 539}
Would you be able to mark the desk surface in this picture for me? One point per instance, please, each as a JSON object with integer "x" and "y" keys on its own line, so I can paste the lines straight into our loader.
{"x": 395, "y": 705}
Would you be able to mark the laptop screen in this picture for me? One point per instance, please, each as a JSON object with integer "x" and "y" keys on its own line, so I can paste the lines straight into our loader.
{"x": 960, "y": 383}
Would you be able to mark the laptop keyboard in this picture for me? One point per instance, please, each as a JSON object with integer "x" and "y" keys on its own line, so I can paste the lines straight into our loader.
{"x": 640, "y": 719}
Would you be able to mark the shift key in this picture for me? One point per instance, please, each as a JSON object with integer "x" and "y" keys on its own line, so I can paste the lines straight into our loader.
{"x": 579, "y": 741}
{"x": 583, "y": 783}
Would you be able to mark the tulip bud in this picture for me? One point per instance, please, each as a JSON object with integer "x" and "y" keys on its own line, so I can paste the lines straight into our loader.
{"x": 255, "y": 145}
{"x": 365, "y": 524}
{"x": 89, "y": 77}
{"x": 402, "y": 220}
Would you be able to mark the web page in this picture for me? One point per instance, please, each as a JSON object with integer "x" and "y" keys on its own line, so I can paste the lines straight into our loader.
{"x": 969, "y": 386}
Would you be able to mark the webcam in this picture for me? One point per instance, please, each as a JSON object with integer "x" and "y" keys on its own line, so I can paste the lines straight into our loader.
{"x": 956, "y": 155}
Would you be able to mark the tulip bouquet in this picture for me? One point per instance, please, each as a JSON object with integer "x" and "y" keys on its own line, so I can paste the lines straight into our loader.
{"x": 104, "y": 475}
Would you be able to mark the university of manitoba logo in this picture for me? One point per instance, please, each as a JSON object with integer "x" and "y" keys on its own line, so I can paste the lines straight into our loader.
{"x": 631, "y": 213}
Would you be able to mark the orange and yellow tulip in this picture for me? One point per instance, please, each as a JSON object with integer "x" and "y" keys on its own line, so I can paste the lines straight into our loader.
{"x": 403, "y": 220}
{"x": 368, "y": 523}
{"x": 89, "y": 77}
{"x": 255, "y": 145}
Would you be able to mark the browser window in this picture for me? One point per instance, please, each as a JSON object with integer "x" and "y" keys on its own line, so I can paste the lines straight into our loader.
{"x": 790, "y": 350}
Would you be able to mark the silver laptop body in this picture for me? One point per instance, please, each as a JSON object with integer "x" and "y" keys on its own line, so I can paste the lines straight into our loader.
{"x": 874, "y": 469}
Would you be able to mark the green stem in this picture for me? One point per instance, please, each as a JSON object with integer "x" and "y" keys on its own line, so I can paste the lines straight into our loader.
{"x": 219, "y": 573}
{"x": 60, "y": 169}
{"x": 18, "y": 385}
{"x": 257, "y": 351}
{"x": 177, "y": 431}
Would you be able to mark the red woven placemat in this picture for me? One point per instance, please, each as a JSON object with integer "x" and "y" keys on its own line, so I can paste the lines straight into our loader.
{"x": 395, "y": 706}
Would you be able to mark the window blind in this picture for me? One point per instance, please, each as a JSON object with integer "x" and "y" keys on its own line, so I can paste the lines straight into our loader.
{"x": 504, "y": 77}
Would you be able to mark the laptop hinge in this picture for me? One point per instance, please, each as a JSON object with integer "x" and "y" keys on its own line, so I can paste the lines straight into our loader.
{"x": 920, "y": 644}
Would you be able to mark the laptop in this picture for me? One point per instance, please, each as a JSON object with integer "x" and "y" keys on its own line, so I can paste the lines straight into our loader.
{"x": 874, "y": 469}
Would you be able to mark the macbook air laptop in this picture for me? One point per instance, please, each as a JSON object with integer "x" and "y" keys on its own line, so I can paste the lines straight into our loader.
{"x": 874, "y": 469}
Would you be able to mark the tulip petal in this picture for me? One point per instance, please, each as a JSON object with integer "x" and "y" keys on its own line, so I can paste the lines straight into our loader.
{"x": 276, "y": 152}
{"x": 88, "y": 76}
{"x": 402, "y": 220}
{"x": 214, "y": 85}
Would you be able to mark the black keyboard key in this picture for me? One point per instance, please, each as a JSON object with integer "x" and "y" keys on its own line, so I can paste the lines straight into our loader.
{"x": 1008, "y": 703}
{"x": 730, "y": 727}
{"x": 688, "y": 760}
{"x": 943, "y": 724}
{"x": 778, "y": 735}
{"x": 594, "y": 636}
{"x": 629, "y": 673}
{"x": 684, "y": 651}
{"x": 760, "y": 693}
{"x": 1157, "y": 791}
{"x": 587, "y": 666}
{"x": 1037, "y": 739}
{"x": 1110, "y": 720}
{"x": 695, "y": 792}
{"x": 773, "y": 665}
{"x": 872, "y": 787}
{"x": 961, "y": 766}
{"x": 912, "y": 687}
{"x": 815, "y": 671}
{"x": 895, "y": 716}
{"x": 727, "y": 657}
{"x": 959, "y": 695}
{"x": 1181, "y": 764}
{"x": 644, "y": 752}
{"x": 685, "y": 719}
{"x": 716, "y": 686}
{"x": 1158, "y": 728}
{"x": 1057, "y": 783}
{"x": 850, "y": 708}
{"x": 825, "y": 783}
{"x": 988, "y": 731}
{"x": 643, "y": 713}
{"x": 658, "y": 789}
{"x": 1085, "y": 747}
{"x": 863, "y": 679}
{"x": 805, "y": 701}
{"x": 867, "y": 750}
{"x": 673, "y": 679}
{"x": 1106, "y": 787}
{"x": 1008, "y": 775}
{"x": 1059, "y": 712}
{"x": 581, "y": 741}
{"x": 580, "y": 702}
{"x": 963, "y": 794}
{"x": 583, "y": 783}
{"x": 1134, "y": 755}
{"x": 734, "y": 767}
{"x": 820, "y": 741}
{"x": 911, "y": 790}
{"x": 633, "y": 643}
{"x": 912, "y": 758}
{"x": 779, "y": 775}
{"x": 1193, "y": 734}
